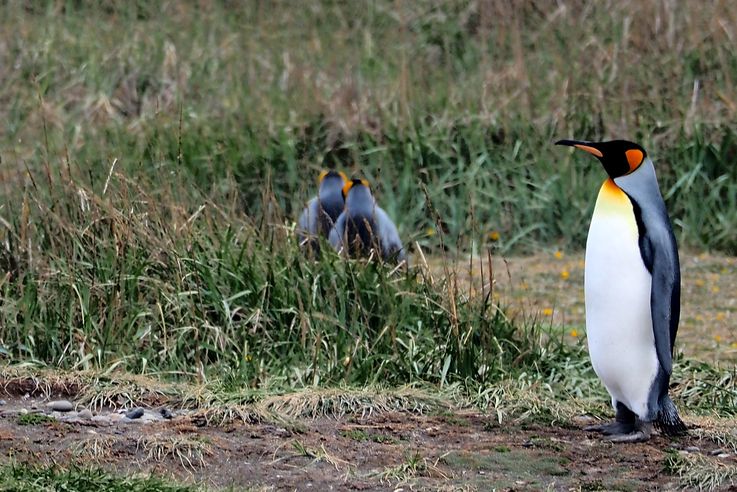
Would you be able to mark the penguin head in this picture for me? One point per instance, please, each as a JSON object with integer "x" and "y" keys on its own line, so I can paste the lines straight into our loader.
{"x": 330, "y": 192}
{"x": 357, "y": 193}
{"x": 331, "y": 178}
{"x": 355, "y": 184}
{"x": 619, "y": 157}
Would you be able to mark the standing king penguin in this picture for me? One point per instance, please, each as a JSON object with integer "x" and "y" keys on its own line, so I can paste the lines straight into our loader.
{"x": 363, "y": 225}
{"x": 632, "y": 284}
{"x": 319, "y": 216}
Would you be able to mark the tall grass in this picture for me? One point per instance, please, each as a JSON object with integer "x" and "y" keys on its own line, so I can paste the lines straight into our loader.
{"x": 464, "y": 98}
{"x": 154, "y": 156}
{"x": 108, "y": 275}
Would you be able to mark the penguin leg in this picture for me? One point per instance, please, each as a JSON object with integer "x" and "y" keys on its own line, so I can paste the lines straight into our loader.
{"x": 624, "y": 423}
{"x": 642, "y": 433}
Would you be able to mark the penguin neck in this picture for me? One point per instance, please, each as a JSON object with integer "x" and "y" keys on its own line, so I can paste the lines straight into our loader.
{"x": 331, "y": 201}
{"x": 611, "y": 199}
{"x": 614, "y": 210}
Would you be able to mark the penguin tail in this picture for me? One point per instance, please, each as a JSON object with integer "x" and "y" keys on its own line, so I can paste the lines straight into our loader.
{"x": 668, "y": 420}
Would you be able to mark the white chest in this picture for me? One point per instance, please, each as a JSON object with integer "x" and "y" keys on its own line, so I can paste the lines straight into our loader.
{"x": 617, "y": 289}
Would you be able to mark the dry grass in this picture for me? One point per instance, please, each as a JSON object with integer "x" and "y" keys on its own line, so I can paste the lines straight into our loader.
{"x": 95, "y": 449}
{"x": 189, "y": 452}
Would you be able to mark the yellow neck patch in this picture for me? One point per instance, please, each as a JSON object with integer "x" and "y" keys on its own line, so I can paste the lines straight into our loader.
{"x": 612, "y": 199}
{"x": 613, "y": 204}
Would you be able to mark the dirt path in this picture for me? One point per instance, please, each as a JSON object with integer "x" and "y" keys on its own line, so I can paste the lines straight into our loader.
{"x": 548, "y": 287}
{"x": 443, "y": 451}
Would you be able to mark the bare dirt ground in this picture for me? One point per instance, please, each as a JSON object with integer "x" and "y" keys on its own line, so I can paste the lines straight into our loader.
{"x": 548, "y": 287}
{"x": 389, "y": 451}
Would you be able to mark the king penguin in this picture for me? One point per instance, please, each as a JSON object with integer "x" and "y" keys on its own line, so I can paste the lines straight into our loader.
{"x": 364, "y": 226}
{"x": 319, "y": 216}
{"x": 632, "y": 286}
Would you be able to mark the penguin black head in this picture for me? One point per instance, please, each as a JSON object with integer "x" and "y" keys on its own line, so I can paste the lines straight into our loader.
{"x": 619, "y": 157}
{"x": 354, "y": 182}
{"x": 331, "y": 175}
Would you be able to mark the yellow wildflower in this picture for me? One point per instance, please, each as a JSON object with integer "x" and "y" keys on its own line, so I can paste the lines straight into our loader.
{"x": 574, "y": 333}
{"x": 720, "y": 316}
{"x": 699, "y": 282}
{"x": 715, "y": 289}
{"x": 565, "y": 274}
{"x": 717, "y": 338}
{"x": 494, "y": 235}
{"x": 548, "y": 312}
{"x": 430, "y": 231}
{"x": 558, "y": 255}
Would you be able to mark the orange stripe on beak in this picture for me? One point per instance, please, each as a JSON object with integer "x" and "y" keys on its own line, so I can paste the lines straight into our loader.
{"x": 590, "y": 150}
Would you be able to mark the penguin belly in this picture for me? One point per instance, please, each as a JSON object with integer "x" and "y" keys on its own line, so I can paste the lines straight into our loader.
{"x": 617, "y": 296}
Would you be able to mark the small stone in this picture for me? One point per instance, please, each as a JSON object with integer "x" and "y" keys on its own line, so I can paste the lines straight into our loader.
{"x": 34, "y": 406}
{"x": 166, "y": 413}
{"x": 134, "y": 413}
{"x": 723, "y": 455}
{"x": 693, "y": 449}
{"x": 85, "y": 414}
{"x": 61, "y": 405}
{"x": 716, "y": 452}
{"x": 3, "y": 403}
{"x": 23, "y": 411}
{"x": 101, "y": 419}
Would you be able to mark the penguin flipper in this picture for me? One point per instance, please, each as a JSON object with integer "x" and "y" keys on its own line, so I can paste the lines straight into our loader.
{"x": 660, "y": 255}
{"x": 336, "y": 233}
{"x": 307, "y": 224}
{"x": 391, "y": 244}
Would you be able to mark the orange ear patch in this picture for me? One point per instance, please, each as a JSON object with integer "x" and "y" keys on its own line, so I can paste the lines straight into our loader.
{"x": 347, "y": 187}
{"x": 590, "y": 150}
{"x": 634, "y": 158}
{"x": 324, "y": 174}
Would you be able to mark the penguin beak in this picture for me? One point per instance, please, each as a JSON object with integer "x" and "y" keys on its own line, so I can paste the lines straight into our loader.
{"x": 580, "y": 144}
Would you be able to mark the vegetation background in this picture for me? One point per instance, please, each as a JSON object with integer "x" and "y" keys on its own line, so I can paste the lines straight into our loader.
{"x": 154, "y": 157}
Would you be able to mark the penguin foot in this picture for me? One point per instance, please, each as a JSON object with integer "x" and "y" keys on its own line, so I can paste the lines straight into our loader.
{"x": 615, "y": 428}
{"x": 640, "y": 434}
